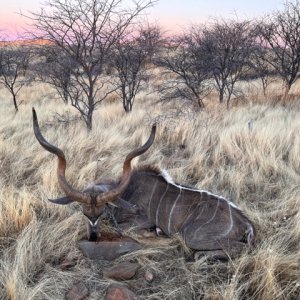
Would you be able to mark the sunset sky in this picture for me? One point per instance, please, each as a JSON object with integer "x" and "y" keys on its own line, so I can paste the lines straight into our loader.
{"x": 173, "y": 15}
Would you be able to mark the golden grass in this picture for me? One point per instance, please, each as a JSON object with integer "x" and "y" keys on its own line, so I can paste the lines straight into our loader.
{"x": 213, "y": 149}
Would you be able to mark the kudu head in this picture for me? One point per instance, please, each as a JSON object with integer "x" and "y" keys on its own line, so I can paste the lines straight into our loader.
{"x": 93, "y": 200}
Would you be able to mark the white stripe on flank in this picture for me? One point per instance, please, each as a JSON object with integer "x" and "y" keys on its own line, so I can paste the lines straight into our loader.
{"x": 213, "y": 216}
{"x": 170, "y": 180}
{"x": 171, "y": 212}
{"x": 200, "y": 214}
{"x": 231, "y": 222}
{"x": 158, "y": 206}
{"x": 152, "y": 194}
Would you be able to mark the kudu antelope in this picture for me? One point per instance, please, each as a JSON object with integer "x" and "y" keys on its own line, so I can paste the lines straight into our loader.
{"x": 148, "y": 196}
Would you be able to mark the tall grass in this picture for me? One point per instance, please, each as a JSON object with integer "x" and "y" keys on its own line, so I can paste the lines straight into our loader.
{"x": 214, "y": 149}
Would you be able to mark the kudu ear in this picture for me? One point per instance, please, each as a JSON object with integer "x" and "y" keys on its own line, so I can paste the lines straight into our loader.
{"x": 62, "y": 200}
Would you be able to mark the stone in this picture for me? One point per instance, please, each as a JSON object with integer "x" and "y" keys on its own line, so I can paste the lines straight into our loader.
{"x": 122, "y": 271}
{"x": 78, "y": 292}
{"x": 119, "y": 292}
{"x": 67, "y": 264}
{"x": 108, "y": 250}
{"x": 148, "y": 276}
{"x": 136, "y": 284}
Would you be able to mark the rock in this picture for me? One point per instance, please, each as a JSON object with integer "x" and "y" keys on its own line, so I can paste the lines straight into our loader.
{"x": 67, "y": 264}
{"x": 122, "y": 271}
{"x": 148, "y": 276}
{"x": 119, "y": 292}
{"x": 78, "y": 292}
{"x": 108, "y": 250}
{"x": 136, "y": 285}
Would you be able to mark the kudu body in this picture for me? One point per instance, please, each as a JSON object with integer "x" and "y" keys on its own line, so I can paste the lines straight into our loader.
{"x": 206, "y": 221}
{"x": 148, "y": 197}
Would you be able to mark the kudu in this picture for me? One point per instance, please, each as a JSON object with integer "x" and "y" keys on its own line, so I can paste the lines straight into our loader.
{"x": 148, "y": 197}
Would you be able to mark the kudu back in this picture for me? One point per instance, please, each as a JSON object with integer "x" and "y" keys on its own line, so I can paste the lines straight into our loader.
{"x": 147, "y": 197}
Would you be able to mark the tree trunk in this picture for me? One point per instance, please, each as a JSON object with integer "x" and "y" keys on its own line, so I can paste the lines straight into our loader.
{"x": 66, "y": 95}
{"x": 200, "y": 102}
{"x": 287, "y": 88}
{"x": 227, "y": 102}
{"x": 15, "y": 103}
{"x": 221, "y": 94}
{"x": 229, "y": 98}
{"x": 264, "y": 81}
{"x": 89, "y": 120}
{"x": 127, "y": 106}
{"x": 91, "y": 102}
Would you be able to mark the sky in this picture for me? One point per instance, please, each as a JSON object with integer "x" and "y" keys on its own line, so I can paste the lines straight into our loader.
{"x": 173, "y": 15}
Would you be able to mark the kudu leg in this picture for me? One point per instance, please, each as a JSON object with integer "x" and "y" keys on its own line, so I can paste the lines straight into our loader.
{"x": 211, "y": 254}
{"x": 139, "y": 225}
{"x": 224, "y": 250}
{"x": 207, "y": 243}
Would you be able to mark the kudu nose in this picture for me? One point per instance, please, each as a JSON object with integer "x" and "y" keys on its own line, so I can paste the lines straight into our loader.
{"x": 93, "y": 232}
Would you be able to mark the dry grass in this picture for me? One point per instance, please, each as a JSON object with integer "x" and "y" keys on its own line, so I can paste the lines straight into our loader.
{"x": 260, "y": 171}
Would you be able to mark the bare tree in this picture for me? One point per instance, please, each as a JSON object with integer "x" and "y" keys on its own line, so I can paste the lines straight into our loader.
{"x": 260, "y": 66}
{"x": 85, "y": 31}
{"x": 130, "y": 61}
{"x": 132, "y": 57}
{"x": 150, "y": 37}
{"x": 186, "y": 61}
{"x": 280, "y": 32}
{"x": 55, "y": 68}
{"x": 229, "y": 44}
{"x": 14, "y": 62}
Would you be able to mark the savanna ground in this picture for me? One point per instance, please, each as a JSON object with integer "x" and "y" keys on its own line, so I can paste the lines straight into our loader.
{"x": 212, "y": 149}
